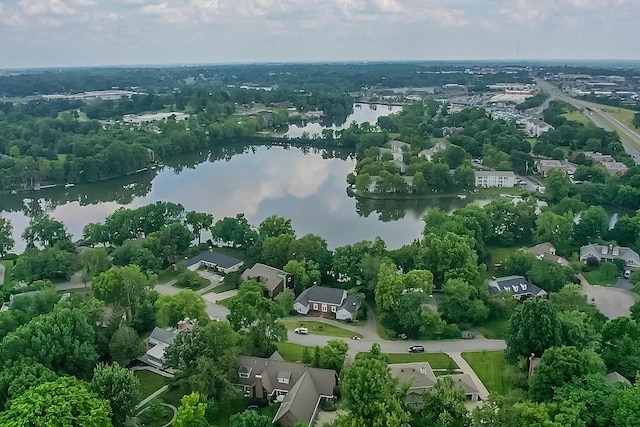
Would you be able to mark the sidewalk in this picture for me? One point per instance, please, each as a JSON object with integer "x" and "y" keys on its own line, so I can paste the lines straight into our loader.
{"x": 465, "y": 368}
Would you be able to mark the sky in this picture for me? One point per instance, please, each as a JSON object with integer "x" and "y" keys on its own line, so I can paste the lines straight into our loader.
{"x": 70, "y": 33}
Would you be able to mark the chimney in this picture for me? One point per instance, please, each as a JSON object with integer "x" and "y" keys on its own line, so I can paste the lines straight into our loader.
{"x": 259, "y": 392}
{"x": 184, "y": 323}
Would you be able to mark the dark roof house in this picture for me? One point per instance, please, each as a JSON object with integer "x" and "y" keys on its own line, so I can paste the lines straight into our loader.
{"x": 322, "y": 299}
{"x": 609, "y": 253}
{"x": 274, "y": 279}
{"x": 224, "y": 263}
{"x": 297, "y": 387}
{"x": 518, "y": 286}
{"x": 548, "y": 252}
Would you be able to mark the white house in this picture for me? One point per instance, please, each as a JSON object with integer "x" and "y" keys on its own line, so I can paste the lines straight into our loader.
{"x": 486, "y": 179}
{"x": 604, "y": 253}
{"x": 320, "y": 299}
{"x": 535, "y": 127}
{"x": 223, "y": 263}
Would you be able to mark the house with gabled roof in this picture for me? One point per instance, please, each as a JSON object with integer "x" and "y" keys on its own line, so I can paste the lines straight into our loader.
{"x": 548, "y": 252}
{"x": 604, "y": 253}
{"x": 297, "y": 387}
{"x": 160, "y": 339}
{"x": 518, "y": 286}
{"x": 223, "y": 263}
{"x": 273, "y": 279}
{"x": 321, "y": 299}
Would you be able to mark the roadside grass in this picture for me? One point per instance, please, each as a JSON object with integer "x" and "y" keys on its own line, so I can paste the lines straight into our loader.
{"x": 435, "y": 360}
{"x": 494, "y": 329}
{"x": 167, "y": 275}
{"x": 600, "y": 277}
{"x": 319, "y": 328}
{"x": 149, "y": 382}
{"x": 224, "y": 288}
{"x": 292, "y": 352}
{"x": 490, "y": 367}
{"x": 225, "y": 302}
{"x": 577, "y": 116}
{"x": 623, "y": 115}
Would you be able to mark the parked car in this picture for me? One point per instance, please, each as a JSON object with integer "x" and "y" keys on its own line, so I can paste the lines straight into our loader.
{"x": 416, "y": 349}
{"x": 355, "y": 337}
{"x": 303, "y": 331}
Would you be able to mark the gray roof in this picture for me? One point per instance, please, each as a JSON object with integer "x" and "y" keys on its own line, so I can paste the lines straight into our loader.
{"x": 321, "y": 294}
{"x": 219, "y": 260}
{"x": 464, "y": 381}
{"x": 628, "y": 255}
{"x": 518, "y": 286}
{"x": 615, "y": 377}
{"x": 416, "y": 375}
{"x": 269, "y": 276}
{"x": 399, "y": 144}
{"x": 351, "y": 304}
{"x": 163, "y": 335}
{"x": 542, "y": 248}
{"x": 495, "y": 173}
{"x": 301, "y": 401}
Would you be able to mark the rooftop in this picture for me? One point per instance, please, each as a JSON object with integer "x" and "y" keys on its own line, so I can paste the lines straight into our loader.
{"x": 220, "y": 260}
{"x": 269, "y": 276}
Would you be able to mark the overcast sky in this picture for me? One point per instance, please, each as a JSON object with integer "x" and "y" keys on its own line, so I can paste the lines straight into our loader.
{"x": 41, "y": 33}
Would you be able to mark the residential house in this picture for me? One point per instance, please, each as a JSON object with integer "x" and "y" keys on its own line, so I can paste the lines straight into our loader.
{"x": 544, "y": 166}
{"x": 274, "y": 279}
{"x": 160, "y": 339}
{"x": 298, "y": 388}
{"x": 398, "y": 146}
{"x": 429, "y": 153}
{"x": 223, "y": 263}
{"x": 535, "y": 127}
{"x": 609, "y": 253}
{"x": 608, "y": 162}
{"x": 419, "y": 378}
{"x": 615, "y": 378}
{"x": 320, "y": 300}
{"x": 486, "y": 179}
{"x": 548, "y": 252}
{"x": 518, "y": 286}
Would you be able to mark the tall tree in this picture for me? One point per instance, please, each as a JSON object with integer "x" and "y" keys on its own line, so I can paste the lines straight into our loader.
{"x": 462, "y": 303}
{"x": 250, "y": 418}
{"x": 305, "y": 274}
{"x": 446, "y": 255}
{"x": 592, "y": 225}
{"x": 312, "y": 248}
{"x": 63, "y": 402}
{"x": 174, "y": 308}
{"x": 120, "y": 387}
{"x": 444, "y": 406}
{"x": 94, "y": 261}
{"x": 274, "y": 226}
{"x": 198, "y": 222}
{"x": 257, "y": 315}
{"x": 6, "y": 239}
{"x": 532, "y": 328}
{"x": 124, "y": 287}
{"x": 46, "y": 231}
{"x": 555, "y": 229}
{"x": 332, "y": 355}
{"x": 620, "y": 350}
{"x": 557, "y": 185}
{"x": 125, "y": 345}
{"x": 191, "y": 412}
{"x": 371, "y": 396}
{"x": 18, "y": 376}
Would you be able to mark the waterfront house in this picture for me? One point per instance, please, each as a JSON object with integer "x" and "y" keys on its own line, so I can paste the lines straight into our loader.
{"x": 320, "y": 300}
{"x": 220, "y": 262}
{"x": 273, "y": 279}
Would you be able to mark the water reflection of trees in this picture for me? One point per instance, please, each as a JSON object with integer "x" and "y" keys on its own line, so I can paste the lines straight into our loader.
{"x": 396, "y": 209}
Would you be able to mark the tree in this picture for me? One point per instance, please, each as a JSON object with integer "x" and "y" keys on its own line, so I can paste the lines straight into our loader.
{"x": 46, "y": 231}
{"x": 532, "y": 328}
{"x": 312, "y": 248}
{"x": 557, "y": 185}
{"x": 169, "y": 241}
{"x": 333, "y": 354}
{"x": 49, "y": 263}
{"x": 462, "y": 303}
{"x": 191, "y": 412}
{"x": 636, "y": 120}
{"x": 549, "y": 275}
{"x": 511, "y": 222}
{"x": 19, "y": 376}
{"x": 518, "y": 263}
{"x": 120, "y": 387}
{"x": 555, "y": 229}
{"x": 63, "y": 402}
{"x": 204, "y": 358}
{"x": 275, "y": 250}
{"x": 285, "y": 300}
{"x": 274, "y": 226}
{"x": 592, "y": 225}
{"x": 370, "y": 395}
{"x": 257, "y": 315}
{"x": 620, "y": 350}
{"x": 174, "y": 308}
{"x": 305, "y": 274}
{"x": 6, "y": 239}
{"x": 61, "y": 340}
{"x": 578, "y": 330}
{"x": 594, "y": 396}
{"x": 444, "y": 255}
{"x": 198, "y": 221}
{"x": 250, "y": 419}
{"x": 94, "y": 261}
{"x": 558, "y": 366}
{"x": 125, "y": 345}
{"x": 191, "y": 279}
{"x": 124, "y": 287}
{"x": 626, "y": 415}
{"x": 444, "y": 405}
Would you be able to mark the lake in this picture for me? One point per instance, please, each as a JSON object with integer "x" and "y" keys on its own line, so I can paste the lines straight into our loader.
{"x": 306, "y": 185}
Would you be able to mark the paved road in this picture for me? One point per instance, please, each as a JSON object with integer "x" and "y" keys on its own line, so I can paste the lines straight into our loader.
{"x": 612, "y": 302}
{"x": 630, "y": 139}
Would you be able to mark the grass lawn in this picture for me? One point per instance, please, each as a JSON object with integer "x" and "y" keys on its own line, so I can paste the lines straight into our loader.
{"x": 203, "y": 283}
{"x": 494, "y": 329}
{"x": 489, "y": 366}
{"x": 8, "y": 266}
{"x": 600, "y": 277}
{"x": 225, "y": 302}
{"x": 622, "y": 114}
{"x": 167, "y": 275}
{"x": 292, "y": 352}
{"x": 149, "y": 382}
{"x": 436, "y": 360}
{"x": 577, "y": 116}
{"x": 223, "y": 288}
{"x": 319, "y": 328}
{"x": 498, "y": 254}
{"x": 224, "y": 413}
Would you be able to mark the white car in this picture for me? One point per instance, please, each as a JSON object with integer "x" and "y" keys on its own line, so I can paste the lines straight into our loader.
{"x": 303, "y": 331}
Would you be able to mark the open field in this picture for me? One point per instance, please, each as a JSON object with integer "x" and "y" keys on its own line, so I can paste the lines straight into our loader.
{"x": 577, "y": 116}
{"x": 489, "y": 366}
{"x": 436, "y": 360}
{"x": 319, "y": 328}
{"x": 622, "y": 114}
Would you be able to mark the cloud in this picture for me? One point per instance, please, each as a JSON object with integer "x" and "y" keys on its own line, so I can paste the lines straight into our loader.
{"x": 56, "y": 7}
{"x": 10, "y": 19}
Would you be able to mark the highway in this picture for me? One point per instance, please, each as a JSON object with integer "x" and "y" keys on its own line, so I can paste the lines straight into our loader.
{"x": 629, "y": 138}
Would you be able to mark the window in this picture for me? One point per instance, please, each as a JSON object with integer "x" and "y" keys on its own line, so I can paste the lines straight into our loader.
{"x": 333, "y": 308}
{"x": 324, "y": 308}
{"x": 315, "y": 306}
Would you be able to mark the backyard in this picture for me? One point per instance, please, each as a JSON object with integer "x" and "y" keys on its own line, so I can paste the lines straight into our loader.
{"x": 435, "y": 360}
{"x": 292, "y": 352}
{"x": 149, "y": 382}
{"x": 490, "y": 367}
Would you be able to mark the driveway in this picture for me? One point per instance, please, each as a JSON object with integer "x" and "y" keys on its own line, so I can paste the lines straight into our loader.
{"x": 612, "y": 302}
{"x": 466, "y": 369}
